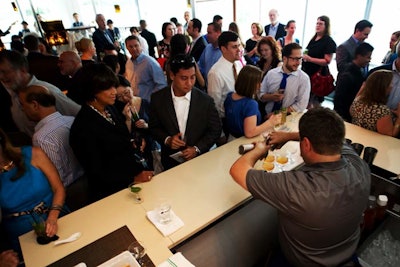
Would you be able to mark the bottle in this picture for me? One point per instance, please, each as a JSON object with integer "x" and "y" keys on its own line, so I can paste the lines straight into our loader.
{"x": 284, "y": 113}
{"x": 381, "y": 206}
{"x": 370, "y": 214}
{"x": 135, "y": 114}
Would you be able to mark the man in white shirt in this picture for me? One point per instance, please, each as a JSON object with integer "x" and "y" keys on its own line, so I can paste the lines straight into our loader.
{"x": 223, "y": 74}
{"x": 182, "y": 118}
{"x": 295, "y": 92}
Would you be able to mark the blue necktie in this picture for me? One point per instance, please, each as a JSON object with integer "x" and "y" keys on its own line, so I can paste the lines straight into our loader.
{"x": 278, "y": 104}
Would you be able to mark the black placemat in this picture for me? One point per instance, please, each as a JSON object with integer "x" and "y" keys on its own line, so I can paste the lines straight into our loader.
{"x": 102, "y": 250}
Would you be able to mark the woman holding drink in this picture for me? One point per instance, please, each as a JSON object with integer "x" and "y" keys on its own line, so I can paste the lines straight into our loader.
{"x": 241, "y": 109}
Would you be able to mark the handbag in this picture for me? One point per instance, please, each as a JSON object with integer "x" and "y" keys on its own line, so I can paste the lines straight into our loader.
{"x": 322, "y": 85}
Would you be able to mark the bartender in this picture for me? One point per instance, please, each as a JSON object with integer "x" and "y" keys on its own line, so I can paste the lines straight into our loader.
{"x": 320, "y": 205}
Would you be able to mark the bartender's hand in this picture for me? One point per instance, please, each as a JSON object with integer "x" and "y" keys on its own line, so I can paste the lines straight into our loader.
{"x": 144, "y": 176}
{"x": 176, "y": 142}
{"x": 189, "y": 153}
{"x": 9, "y": 258}
{"x": 278, "y": 139}
{"x": 260, "y": 149}
{"x": 51, "y": 224}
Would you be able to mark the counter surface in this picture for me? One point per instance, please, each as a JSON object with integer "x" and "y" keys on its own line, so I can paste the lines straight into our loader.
{"x": 201, "y": 191}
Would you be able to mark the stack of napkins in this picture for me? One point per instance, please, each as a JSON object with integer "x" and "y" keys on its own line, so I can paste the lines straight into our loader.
{"x": 176, "y": 260}
{"x": 168, "y": 228}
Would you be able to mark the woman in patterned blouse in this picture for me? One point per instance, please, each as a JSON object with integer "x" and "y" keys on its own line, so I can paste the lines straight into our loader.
{"x": 369, "y": 108}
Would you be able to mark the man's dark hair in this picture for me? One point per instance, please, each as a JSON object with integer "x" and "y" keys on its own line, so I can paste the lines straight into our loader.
{"x": 123, "y": 81}
{"x": 31, "y": 42}
{"x": 227, "y": 37}
{"x": 287, "y": 49}
{"x": 111, "y": 61}
{"x": 132, "y": 37}
{"x": 45, "y": 99}
{"x": 16, "y": 59}
{"x": 216, "y": 26}
{"x": 325, "y": 130}
{"x": 196, "y": 24}
{"x": 97, "y": 77}
{"x": 363, "y": 49}
{"x": 216, "y": 18}
{"x": 178, "y": 45}
{"x": 174, "y": 20}
{"x": 362, "y": 24}
{"x": 17, "y": 46}
{"x": 131, "y": 29}
{"x": 181, "y": 61}
{"x": 109, "y": 21}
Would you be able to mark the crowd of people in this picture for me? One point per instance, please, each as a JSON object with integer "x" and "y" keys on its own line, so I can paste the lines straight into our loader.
{"x": 92, "y": 121}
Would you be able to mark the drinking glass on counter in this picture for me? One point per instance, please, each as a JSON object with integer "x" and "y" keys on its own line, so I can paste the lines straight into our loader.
{"x": 163, "y": 209}
{"x": 290, "y": 151}
{"x": 281, "y": 159}
{"x": 138, "y": 251}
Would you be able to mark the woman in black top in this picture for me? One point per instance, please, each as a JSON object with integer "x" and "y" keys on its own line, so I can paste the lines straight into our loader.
{"x": 320, "y": 53}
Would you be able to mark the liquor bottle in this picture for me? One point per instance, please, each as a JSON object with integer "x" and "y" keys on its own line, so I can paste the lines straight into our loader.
{"x": 381, "y": 206}
{"x": 370, "y": 214}
{"x": 135, "y": 114}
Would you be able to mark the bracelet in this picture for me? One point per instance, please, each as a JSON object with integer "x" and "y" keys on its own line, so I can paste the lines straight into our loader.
{"x": 56, "y": 207}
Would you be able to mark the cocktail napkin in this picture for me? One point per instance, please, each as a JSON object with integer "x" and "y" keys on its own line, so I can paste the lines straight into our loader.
{"x": 165, "y": 229}
{"x": 176, "y": 260}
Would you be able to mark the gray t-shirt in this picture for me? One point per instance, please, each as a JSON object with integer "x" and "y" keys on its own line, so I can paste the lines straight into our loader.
{"x": 320, "y": 207}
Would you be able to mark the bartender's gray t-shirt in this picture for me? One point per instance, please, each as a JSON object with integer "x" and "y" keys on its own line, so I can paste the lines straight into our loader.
{"x": 320, "y": 208}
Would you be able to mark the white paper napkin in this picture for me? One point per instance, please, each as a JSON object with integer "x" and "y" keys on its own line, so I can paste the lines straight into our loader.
{"x": 176, "y": 260}
{"x": 165, "y": 229}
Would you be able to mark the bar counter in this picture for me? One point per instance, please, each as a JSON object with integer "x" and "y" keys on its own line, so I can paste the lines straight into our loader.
{"x": 201, "y": 192}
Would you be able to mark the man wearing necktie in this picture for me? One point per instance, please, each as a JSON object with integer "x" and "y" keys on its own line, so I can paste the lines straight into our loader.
{"x": 286, "y": 86}
{"x": 223, "y": 74}
{"x": 101, "y": 37}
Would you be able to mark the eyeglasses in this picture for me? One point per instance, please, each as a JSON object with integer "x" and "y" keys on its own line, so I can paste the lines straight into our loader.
{"x": 296, "y": 58}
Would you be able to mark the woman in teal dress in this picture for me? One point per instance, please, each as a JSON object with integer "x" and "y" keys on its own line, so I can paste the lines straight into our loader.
{"x": 30, "y": 187}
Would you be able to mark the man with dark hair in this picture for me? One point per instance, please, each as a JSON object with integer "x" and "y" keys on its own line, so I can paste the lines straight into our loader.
{"x": 223, "y": 74}
{"x": 149, "y": 36}
{"x": 218, "y": 19}
{"x": 211, "y": 52}
{"x": 183, "y": 119}
{"x": 25, "y": 30}
{"x": 15, "y": 76}
{"x": 345, "y": 51}
{"x": 51, "y": 132}
{"x": 142, "y": 71}
{"x": 199, "y": 43}
{"x": 320, "y": 205}
{"x": 286, "y": 86}
{"x": 44, "y": 67}
{"x": 350, "y": 80}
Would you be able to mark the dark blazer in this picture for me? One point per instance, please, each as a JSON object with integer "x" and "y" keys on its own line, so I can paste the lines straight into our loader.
{"x": 45, "y": 68}
{"x": 347, "y": 86}
{"x": 100, "y": 41}
{"x": 345, "y": 54}
{"x": 279, "y": 33}
{"x": 203, "y": 125}
{"x": 151, "y": 41}
{"x": 198, "y": 48}
{"x": 104, "y": 151}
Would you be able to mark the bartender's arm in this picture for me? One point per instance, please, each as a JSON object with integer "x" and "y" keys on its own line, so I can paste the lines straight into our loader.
{"x": 246, "y": 162}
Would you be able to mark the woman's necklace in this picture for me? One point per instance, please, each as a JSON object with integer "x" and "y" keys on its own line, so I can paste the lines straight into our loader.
{"x": 106, "y": 115}
{"x": 6, "y": 167}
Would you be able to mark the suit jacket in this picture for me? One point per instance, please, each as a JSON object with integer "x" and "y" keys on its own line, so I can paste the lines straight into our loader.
{"x": 347, "y": 86}
{"x": 105, "y": 152}
{"x": 45, "y": 68}
{"x": 280, "y": 32}
{"x": 198, "y": 48}
{"x": 203, "y": 126}
{"x": 100, "y": 41}
{"x": 345, "y": 54}
{"x": 151, "y": 41}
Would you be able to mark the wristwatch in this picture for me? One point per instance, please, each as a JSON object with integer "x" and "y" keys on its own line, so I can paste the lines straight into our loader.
{"x": 197, "y": 150}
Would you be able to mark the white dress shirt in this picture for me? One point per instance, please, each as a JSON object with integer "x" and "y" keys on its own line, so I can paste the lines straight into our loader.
{"x": 181, "y": 105}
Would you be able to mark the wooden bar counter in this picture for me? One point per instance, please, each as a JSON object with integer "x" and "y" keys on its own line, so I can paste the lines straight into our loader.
{"x": 201, "y": 191}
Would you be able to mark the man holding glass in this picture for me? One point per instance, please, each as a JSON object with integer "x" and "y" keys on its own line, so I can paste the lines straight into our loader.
{"x": 183, "y": 119}
{"x": 320, "y": 205}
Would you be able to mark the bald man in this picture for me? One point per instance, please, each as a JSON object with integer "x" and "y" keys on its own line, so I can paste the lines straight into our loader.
{"x": 69, "y": 63}
{"x": 51, "y": 131}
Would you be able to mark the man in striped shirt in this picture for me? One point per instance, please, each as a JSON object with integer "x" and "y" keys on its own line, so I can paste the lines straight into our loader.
{"x": 51, "y": 131}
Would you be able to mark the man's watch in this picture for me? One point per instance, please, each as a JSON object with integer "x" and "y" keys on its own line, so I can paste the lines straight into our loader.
{"x": 197, "y": 150}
